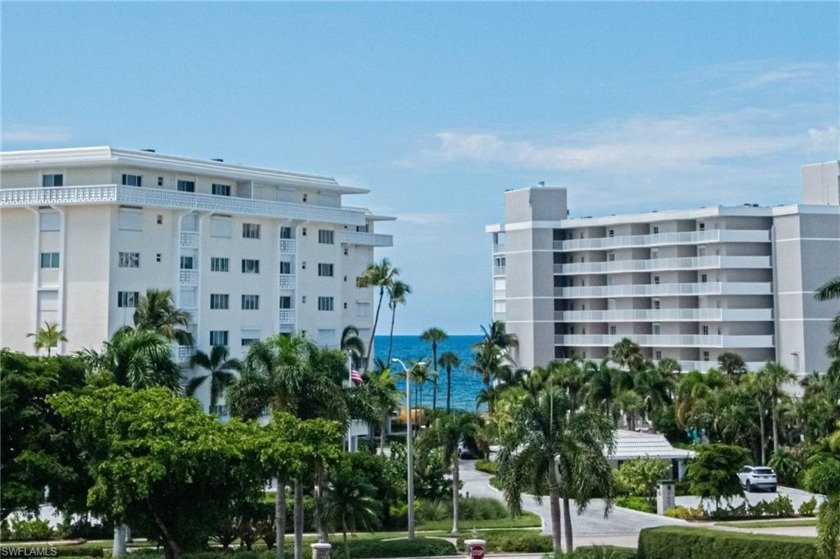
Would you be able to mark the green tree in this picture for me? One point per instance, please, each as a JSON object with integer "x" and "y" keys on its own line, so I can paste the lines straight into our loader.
{"x": 641, "y": 475}
{"x": 382, "y": 390}
{"x": 754, "y": 386}
{"x": 397, "y": 292}
{"x": 221, "y": 370}
{"x": 823, "y": 476}
{"x": 381, "y": 276}
{"x": 551, "y": 446}
{"x": 713, "y": 472}
{"x": 732, "y": 364}
{"x": 827, "y": 292}
{"x": 353, "y": 345}
{"x": 775, "y": 376}
{"x": 159, "y": 460}
{"x": 351, "y": 502}
{"x": 627, "y": 355}
{"x": 156, "y": 311}
{"x": 48, "y": 337}
{"x": 137, "y": 359}
{"x": 434, "y": 336}
{"x": 448, "y": 361}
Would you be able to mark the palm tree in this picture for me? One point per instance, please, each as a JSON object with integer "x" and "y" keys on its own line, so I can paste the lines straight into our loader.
{"x": 775, "y": 377}
{"x": 448, "y": 434}
{"x": 382, "y": 389}
{"x": 434, "y": 336}
{"x": 351, "y": 502}
{"x": 48, "y": 337}
{"x": 755, "y": 387}
{"x": 552, "y": 446}
{"x": 448, "y": 361}
{"x": 156, "y": 312}
{"x": 380, "y": 275}
{"x": 353, "y": 345}
{"x": 136, "y": 358}
{"x": 732, "y": 364}
{"x": 627, "y": 354}
{"x": 498, "y": 335}
{"x": 221, "y": 370}
{"x": 396, "y": 296}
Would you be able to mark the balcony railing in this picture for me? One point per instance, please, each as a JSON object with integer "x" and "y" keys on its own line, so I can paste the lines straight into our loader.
{"x": 660, "y": 239}
{"x": 188, "y": 277}
{"x": 287, "y": 246}
{"x": 161, "y": 198}
{"x": 498, "y": 270}
{"x": 287, "y": 316}
{"x": 189, "y": 239}
{"x": 666, "y": 315}
{"x": 665, "y": 289}
{"x": 366, "y": 239}
{"x": 673, "y": 340}
{"x": 704, "y": 366}
{"x": 286, "y": 281}
{"x": 183, "y": 353}
{"x": 688, "y": 263}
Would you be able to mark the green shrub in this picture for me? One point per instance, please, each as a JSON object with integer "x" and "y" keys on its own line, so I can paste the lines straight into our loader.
{"x": 781, "y": 506}
{"x": 421, "y": 547}
{"x": 599, "y": 552}
{"x": 480, "y": 508}
{"x": 487, "y": 466}
{"x": 64, "y": 551}
{"x": 686, "y": 513}
{"x": 22, "y": 530}
{"x": 670, "y": 542}
{"x": 635, "y": 503}
{"x": 530, "y": 541}
{"x": 808, "y": 508}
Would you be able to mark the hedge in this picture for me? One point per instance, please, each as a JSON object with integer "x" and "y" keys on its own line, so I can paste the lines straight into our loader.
{"x": 525, "y": 541}
{"x": 668, "y": 542}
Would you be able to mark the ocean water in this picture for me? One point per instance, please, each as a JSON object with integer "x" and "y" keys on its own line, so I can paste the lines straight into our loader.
{"x": 465, "y": 383}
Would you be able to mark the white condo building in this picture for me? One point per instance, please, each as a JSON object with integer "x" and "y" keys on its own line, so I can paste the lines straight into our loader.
{"x": 687, "y": 285}
{"x": 248, "y": 251}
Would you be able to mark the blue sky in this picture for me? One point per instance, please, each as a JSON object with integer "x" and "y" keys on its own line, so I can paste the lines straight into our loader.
{"x": 438, "y": 108}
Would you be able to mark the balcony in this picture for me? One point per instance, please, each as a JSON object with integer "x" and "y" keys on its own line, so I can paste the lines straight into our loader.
{"x": 182, "y": 353}
{"x": 286, "y": 281}
{"x": 666, "y": 315}
{"x": 188, "y": 277}
{"x": 665, "y": 289}
{"x": 653, "y": 264}
{"x": 704, "y": 366}
{"x": 287, "y": 246}
{"x": 172, "y": 199}
{"x": 663, "y": 239}
{"x": 287, "y": 316}
{"x": 189, "y": 239}
{"x": 674, "y": 340}
{"x": 498, "y": 270}
{"x": 366, "y": 239}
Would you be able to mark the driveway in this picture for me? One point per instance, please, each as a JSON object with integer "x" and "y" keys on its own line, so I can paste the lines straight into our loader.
{"x": 797, "y": 497}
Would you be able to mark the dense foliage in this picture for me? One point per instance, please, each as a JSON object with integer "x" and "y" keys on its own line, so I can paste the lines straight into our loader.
{"x": 698, "y": 543}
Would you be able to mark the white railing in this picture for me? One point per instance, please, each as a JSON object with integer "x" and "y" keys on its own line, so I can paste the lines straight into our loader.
{"x": 641, "y": 315}
{"x": 188, "y": 277}
{"x": 664, "y": 289}
{"x": 287, "y": 246}
{"x": 183, "y": 353}
{"x": 286, "y": 281}
{"x": 673, "y": 238}
{"x": 704, "y": 366}
{"x": 498, "y": 270}
{"x": 366, "y": 239}
{"x": 673, "y": 340}
{"x": 161, "y": 198}
{"x": 691, "y": 263}
{"x": 189, "y": 239}
{"x": 287, "y": 316}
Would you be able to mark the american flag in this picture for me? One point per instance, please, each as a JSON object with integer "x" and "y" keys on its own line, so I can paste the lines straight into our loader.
{"x": 356, "y": 377}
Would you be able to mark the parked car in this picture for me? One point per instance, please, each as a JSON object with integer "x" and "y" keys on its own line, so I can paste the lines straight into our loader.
{"x": 757, "y": 477}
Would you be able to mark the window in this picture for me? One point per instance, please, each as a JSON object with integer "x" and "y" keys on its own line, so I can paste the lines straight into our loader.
{"x": 657, "y": 304}
{"x": 221, "y": 189}
{"x": 655, "y": 280}
{"x": 219, "y": 301}
{"x": 702, "y": 226}
{"x": 285, "y": 232}
{"x": 305, "y": 198}
{"x": 325, "y": 303}
{"x": 160, "y": 181}
{"x": 656, "y": 230}
{"x": 325, "y": 236}
{"x": 285, "y": 302}
{"x": 346, "y": 251}
{"x": 218, "y": 264}
{"x": 221, "y": 227}
{"x": 218, "y": 337}
{"x": 129, "y": 260}
{"x": 704, "y": 278}
{"x": 248, "y": 341}
{"x": 250, "y": 230}
{"x": 705, "y": 330}
{"x": 303, "y": 231}
{"x": 250, "y": 302}
{"x": 250, "y": 266}
{"x": 285, "y": 267}
{"x": 52, "y": 180}
{"x": 657, "y": 329}
{"x": 611, "y": 233}
{"x": 612, "y": 330}
{"x": 610, "y": 257}
{"x": 705, "y": 356}
{"x": 50, "y": 221}
{"x": 157, "y": 257}
{"x": 186, "y": 186}
{"x": 160, "y": 219}
{"x": 127, "y": 299}
{"x": 49, "y": 260}
{"x": 325, "y": 270}
{"x": 657, "y": 355}
{"x": 187, "y": 263}
{"x": 132, "y": 180}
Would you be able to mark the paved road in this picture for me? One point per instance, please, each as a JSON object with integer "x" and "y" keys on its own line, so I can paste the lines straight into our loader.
{"x": 797, "y": 497}
{"x": 622, "y": 527}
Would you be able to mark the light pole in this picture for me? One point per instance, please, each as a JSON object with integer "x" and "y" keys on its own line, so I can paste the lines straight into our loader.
{"x": 408, "y": 451}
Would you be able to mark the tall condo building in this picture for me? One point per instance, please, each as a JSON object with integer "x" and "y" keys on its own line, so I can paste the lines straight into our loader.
{"x": 686, "y": 284}
{"x": 248, "y": 251}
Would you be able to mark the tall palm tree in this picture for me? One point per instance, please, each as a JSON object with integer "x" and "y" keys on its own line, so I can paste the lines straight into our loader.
{"x": 156, "y": 311}
{"x": 48, "y": 337}
{"x": 396, "y": 296}
{"x": 627, "y": 354}
{"x": 732, "y": 364}
{"x": 498, "y": 335}
{"x": 754, "y": 386}
{"x": 380, "y": 276}
{"x": 434, "y": 336}
{"x": 136, "y": 358}
{"x": 776, "y": 376}
{"x": 353, "y": 345}
{"x": 221, "y": 370}
{"x": 382, "y": 389}
{"x": 448, "y": 434}
{"x": 448, "y": 361}
{"x": 552, "y": 446}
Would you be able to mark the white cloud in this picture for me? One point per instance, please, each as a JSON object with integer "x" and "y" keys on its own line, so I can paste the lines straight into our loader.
{"x": 425, "y": 218}
{"x": 38, "y": 134}
{"x": 763, "y": 74}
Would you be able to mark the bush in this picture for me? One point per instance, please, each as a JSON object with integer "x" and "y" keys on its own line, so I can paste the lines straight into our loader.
{"x": 530, "y": 541}
{"x": 686, "y": 513}
{"x": 22, "y": 530}
{"x": 84, "y": 529}
{"x": 599, "y": 552}
{"x": 781, "y": 506}
{"x": 697, "y": 543}
{"x": 808, "y": 508}
{"x": 421, "y": 547}
{"x": 487, "y": 466}
{"x": 635, "y": 503}
{"x": 67, "y": 551}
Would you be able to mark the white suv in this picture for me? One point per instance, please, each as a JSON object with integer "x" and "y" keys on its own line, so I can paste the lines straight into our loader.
{"x": 757, "y": 477}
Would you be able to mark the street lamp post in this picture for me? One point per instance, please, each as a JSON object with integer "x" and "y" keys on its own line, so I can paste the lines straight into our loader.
{"x": 408, "y": 445}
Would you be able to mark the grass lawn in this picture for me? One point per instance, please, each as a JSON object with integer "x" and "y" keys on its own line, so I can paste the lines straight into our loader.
{"x": 794, "y": 522}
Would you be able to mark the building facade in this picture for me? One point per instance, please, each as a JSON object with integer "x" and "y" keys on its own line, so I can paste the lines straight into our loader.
{"x": 249, "y": 252}
{"x": 687, "y": 285}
